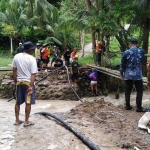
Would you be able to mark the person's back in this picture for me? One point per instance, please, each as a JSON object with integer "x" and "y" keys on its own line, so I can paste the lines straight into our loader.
{"x": 74, "y": 66}
{"x": 25, "y": 65}
{"x": 93, "y": 76}
{"x": 67, "y": 57}
{"x": 131, "y": 73}
{"x": 24, "y": 72}
{"x": 132, "y": 63}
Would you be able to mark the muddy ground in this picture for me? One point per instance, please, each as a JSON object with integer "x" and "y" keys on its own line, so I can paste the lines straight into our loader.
{"x": 104, "y": 121}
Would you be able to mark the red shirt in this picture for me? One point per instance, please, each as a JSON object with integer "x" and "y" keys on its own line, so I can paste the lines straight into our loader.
{"x": 44, "y": 53}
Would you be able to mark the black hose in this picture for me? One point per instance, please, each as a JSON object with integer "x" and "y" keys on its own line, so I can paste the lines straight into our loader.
{"x": 5, "y": 69}
{"x": 14, "y": 96}
{"x": 89, "y": 143}
{"x": 47, "y": 76}
{"x": 71, "y": 85}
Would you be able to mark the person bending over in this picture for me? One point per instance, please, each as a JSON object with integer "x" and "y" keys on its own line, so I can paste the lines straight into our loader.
{"x": 93, "y": 77}
{"x": 58, "y": 62}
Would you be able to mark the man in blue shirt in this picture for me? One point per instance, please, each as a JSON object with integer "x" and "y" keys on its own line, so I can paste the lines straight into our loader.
{"x": 131, "y": 72}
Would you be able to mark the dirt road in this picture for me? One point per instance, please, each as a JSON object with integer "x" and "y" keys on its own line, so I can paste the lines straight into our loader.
{"x": 47, "y": 133}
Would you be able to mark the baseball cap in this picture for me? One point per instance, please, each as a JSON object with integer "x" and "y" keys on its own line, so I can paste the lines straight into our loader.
{"x": 133, "y": 41}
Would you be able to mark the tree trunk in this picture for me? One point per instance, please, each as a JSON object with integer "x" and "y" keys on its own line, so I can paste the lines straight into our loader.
{"x": 107, "y": 57}
{"x": 88, "y": 8}
{"x": 88, "y": 5}
{"x": 145, "y": 43}
{"x": 11, "y": 46}
{"x": 82, "y": 37}
{"x": 32, "y": 29}
{"x": 146, "y": 29}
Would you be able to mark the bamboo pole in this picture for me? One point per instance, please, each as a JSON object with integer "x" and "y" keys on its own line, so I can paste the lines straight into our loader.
{"x": 110, "y": 72}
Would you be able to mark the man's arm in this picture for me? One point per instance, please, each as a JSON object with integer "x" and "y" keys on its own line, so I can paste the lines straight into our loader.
{"x": 29, "y": 90}
{"x": 122, "y": 66}
{"x": 15, "y": 75}
{"x": 32, "y": 79}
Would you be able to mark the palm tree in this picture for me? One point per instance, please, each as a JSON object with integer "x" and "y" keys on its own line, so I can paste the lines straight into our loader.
{"x": 45, "y": 16}
{"x": 14, "y": 19}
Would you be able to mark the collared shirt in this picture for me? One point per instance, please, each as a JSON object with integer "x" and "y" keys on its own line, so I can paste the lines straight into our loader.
{"x": 131, "y": 64}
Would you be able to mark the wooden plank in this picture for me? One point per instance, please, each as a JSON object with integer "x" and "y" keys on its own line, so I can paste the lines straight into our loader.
{"x": 113, "y": 73}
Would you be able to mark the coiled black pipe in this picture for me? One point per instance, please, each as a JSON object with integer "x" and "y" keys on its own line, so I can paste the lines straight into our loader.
{"x": 89, "y": 143}
{"x": 47, "y": 76}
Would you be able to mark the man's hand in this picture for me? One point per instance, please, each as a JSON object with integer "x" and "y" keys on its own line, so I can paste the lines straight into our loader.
{"x": 148, "y": 84}
{"x": 121, "y": 77}
{"x": 29, "y": 90}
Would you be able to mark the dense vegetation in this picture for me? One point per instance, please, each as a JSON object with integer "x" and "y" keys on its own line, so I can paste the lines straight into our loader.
{"x": 53, "y": 22}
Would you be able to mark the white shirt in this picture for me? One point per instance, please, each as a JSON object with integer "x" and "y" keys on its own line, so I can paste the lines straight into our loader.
{"x": 26, "y": 65}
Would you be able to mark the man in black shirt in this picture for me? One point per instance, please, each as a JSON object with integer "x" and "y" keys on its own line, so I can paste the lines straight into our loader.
{"x": 19, "y": 49}
{"x": 67, "y": 57}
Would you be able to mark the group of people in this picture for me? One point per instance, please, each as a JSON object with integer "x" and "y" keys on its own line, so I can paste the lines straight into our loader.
{"x": 43, "y": 53}
{"x": 25, "y": 69}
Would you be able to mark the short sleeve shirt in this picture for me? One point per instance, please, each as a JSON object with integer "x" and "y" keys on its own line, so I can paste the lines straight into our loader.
{"x": 26, "y": 65}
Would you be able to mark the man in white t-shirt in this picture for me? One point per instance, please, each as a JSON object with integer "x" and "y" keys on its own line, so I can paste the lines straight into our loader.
{"x": 24, "y": 72}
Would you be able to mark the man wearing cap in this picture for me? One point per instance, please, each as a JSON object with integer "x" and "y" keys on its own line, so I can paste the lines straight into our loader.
{"x": 54, "y": 54}
{"x": 24, "y": 72}
{"x": 131, "y": 73}
{"x": 38, "y": 56}
{"x": 19, "y": 49}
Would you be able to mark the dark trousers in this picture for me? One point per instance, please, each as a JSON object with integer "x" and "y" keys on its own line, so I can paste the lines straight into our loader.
{"x": 139, "y": 89}
{"x": 98, "y": 58}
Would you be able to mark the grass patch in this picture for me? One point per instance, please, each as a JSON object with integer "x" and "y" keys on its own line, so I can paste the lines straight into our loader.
{"x": 114, "y": 45}
{"x": 87, "y": 59}
{"x": 6, "y": 61}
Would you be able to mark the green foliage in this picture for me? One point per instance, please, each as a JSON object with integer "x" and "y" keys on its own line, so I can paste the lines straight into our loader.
{"x": 6, "y": 60}
{"x": 86, "y": 60}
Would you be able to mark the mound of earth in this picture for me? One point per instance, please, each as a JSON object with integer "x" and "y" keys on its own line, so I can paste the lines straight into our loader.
{"x": 116, "y": 123}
